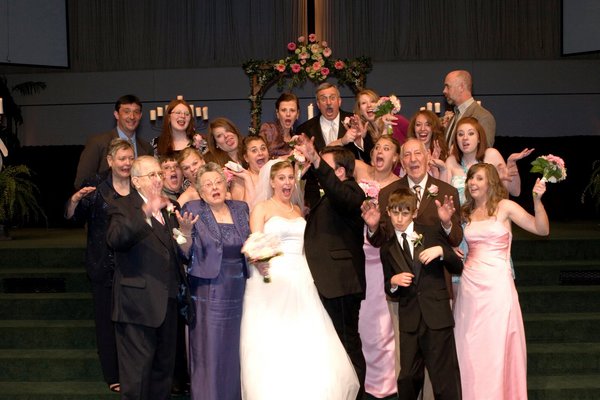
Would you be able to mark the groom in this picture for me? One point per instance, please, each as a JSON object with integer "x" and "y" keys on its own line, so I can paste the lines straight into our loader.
{"x": 333, "y": 244}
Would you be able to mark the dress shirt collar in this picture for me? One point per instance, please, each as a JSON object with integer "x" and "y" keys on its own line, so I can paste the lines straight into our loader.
{"x": 131, "y": 140}
{"x": 423, "y": 183}
{"x": 463, "y": 107}
{"x": 409, "y": 230}
{"x": 326, "y": 127}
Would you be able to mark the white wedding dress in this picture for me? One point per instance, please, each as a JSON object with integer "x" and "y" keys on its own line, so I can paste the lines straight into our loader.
{"x": 289, "y": 348}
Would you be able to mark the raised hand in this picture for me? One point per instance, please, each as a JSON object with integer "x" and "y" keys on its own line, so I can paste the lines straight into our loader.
{"x": 186, "y": 221}
{"x": 370, "y": 214}
{"x": 446, "y": 210}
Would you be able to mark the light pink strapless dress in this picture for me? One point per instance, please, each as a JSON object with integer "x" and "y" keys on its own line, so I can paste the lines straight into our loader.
{"x": 490, "y": 338}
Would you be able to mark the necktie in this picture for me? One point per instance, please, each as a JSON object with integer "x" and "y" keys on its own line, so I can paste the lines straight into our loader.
{"x": 417, "y": 189}
{"x": 405, "y": 246}
{"x": 451, "y": 128}
{"x": 332, "y": 133}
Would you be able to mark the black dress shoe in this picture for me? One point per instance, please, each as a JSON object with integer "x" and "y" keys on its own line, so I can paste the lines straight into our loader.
{"x": 180, "y": 390}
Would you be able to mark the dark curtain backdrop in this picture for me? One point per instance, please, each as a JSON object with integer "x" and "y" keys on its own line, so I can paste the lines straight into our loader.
{"x": 110, "y": 35}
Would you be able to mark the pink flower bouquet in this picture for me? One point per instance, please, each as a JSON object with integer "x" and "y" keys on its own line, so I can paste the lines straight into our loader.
{"x": 262, "y": 247}
{"x": 551, "y": 167}
{"x": 371, "y": 189}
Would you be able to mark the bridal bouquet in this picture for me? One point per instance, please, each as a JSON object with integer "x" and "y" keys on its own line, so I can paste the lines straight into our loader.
{"x": 371, "y": 189}
{"x": 387, "y": 105}
{"x": 551, "y": 167}
{"x": 262, "y": 247}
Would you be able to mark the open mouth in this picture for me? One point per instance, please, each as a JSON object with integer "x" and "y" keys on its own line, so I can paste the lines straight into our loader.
{"x": 261, "y": 161}
{"x": 379, "y": 161}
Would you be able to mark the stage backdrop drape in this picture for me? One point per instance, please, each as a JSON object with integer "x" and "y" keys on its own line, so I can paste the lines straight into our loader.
{"x": 108, "y": 35}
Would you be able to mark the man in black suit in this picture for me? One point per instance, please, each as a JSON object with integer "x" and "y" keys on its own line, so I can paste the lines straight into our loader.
{"x": 326, "y": 128}
{"x": 333, "y": 241}
{"x": 147, "y": 275}
{"x": 413, "y": 262}
{"x": 128, "y": 113}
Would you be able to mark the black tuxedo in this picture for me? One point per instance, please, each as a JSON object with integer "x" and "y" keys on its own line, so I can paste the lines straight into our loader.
{"x": 427, "y": 213}
{"x": 148, "y": 271}
{"x": 312, "y": 128}
{"x": 333, "y": 241}
{"x": 425, "y": 317}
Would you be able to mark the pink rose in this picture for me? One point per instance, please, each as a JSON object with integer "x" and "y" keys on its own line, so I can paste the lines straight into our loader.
{"x": 301, "y": 39}
{"x": 432, "y": 190}
{"x": 339, "y": 64}
{"x": 326, "y": 51}
{"x": 304, "y": 55}
{"x": 316, "y": 66}
{"x": 291, "y": 46}
{"x": 280, "y": 67}
{"x": 312, "y": 38}
{"x": 324, "y": 71}
{"x": 296, "y": 68}
{"x": 324, "y": 43}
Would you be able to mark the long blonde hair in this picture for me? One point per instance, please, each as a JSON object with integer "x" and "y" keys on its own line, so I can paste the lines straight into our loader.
{"x": 496, "y": 190}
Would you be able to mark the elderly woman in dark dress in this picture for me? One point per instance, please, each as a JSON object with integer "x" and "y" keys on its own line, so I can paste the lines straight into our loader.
{"x": 217, "y": 272}
{"x": 89, "y": 204}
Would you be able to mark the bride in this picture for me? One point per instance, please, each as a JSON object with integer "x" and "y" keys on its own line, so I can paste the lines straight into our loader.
{"x": 289, "y": 347}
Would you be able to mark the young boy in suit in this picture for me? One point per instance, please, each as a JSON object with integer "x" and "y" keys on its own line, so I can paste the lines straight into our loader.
{"x": 413, "y": 264}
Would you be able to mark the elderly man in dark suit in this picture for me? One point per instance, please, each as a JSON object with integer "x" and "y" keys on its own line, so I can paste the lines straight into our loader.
{"x": 415, "y": 159}
{"x": 333, "y": 240}
{"x": 326, "y": 128}
{"x": 148, "y": 271}
{"x": 128, "y": 113}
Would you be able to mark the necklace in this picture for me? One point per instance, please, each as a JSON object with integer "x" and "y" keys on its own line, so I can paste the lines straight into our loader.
{"x": 283, "y": 206}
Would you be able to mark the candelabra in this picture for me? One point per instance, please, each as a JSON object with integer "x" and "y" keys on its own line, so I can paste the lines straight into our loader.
{"x": 200, "y": 114}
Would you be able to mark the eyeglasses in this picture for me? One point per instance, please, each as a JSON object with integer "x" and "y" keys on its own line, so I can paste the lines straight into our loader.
{"x": 211, "y": 184}
{"x": 181, "y": 113}
{"x": 332, "y": 98}
{"x": 152, "y": 175}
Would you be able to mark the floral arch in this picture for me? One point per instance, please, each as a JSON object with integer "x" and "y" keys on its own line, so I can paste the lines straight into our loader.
{"x": 309, "y": 60}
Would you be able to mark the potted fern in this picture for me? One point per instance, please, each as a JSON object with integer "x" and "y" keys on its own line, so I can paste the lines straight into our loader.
{"x": 18, "y": 201}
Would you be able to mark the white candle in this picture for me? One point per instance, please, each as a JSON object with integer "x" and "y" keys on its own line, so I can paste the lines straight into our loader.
{"x": 437, "y": 107}
{"x": 205, "y": 113}
{"x": 152, "y": 115}
{"x": 199, "y": 112}
{"x": 479, "y": 102}
{"x": 429, "y": 106}
{"x": 311, "y": 111}
{"x": 1, "y": 106}
{"x": 422, "y": 109}
{"x": 179, "y": 97}
{"x": 192, "y": 110}
{"x": 159, "y": 111}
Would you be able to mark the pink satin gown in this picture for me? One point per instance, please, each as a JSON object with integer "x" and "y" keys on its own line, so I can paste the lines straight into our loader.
{"x": 489, "y": 333}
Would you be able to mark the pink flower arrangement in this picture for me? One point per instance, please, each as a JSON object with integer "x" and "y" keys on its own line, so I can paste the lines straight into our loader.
{"x": 551, "y": 167}
{"x": 309, "y": 60}
{"x": 261, "y": 247}
{"x": 371, "y": 189}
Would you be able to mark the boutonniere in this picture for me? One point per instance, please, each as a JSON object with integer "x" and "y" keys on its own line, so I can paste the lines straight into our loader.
{"x": 170, "y": 209}
{"x": 416, "y": 238}
{"x": 179, "y": 237}
{"x": 321, "y": 193}
{"x": 432, "y": 191}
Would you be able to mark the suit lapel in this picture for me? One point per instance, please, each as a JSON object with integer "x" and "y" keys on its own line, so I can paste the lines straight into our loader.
{"x": 400, "y": 259}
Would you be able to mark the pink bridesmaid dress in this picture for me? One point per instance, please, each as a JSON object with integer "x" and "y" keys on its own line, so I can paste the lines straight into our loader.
{"x": 376, "y": 330}
{"x": 489, "y": 333}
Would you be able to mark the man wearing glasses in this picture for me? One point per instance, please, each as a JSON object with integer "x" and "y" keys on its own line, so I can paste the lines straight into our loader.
{"x": 148, "y": 272}
{"x": 128, "y": 113}
{"x": 325, "y": 128}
